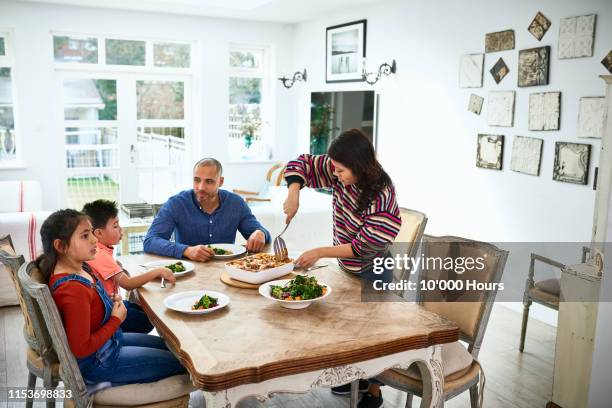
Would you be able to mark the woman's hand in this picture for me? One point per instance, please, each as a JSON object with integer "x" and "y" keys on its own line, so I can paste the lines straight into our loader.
{"x": 165, "y": 273}
{"x": 308, "y": 258}
{"x": 119, "y": 310}
{"x": 292, "y": 203}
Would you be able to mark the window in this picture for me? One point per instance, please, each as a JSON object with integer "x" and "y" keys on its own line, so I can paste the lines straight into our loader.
{"x": 249, "y": 132}
{"x": 9, "y": 146}
{"x": 96, "y": 50}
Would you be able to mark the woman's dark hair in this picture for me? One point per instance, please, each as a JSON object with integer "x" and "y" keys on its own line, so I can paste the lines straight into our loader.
{"x": 354, "y": 150}
{"x": 60, "y": 225}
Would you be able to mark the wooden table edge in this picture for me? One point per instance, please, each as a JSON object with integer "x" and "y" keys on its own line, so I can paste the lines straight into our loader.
{"x": 290, "y": 367}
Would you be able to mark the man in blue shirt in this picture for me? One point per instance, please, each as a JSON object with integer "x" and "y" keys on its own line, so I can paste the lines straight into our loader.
{"x": 202, "y": 216}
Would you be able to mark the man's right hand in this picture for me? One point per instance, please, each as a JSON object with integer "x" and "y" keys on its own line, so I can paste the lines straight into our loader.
{"x": 200, "y": 253}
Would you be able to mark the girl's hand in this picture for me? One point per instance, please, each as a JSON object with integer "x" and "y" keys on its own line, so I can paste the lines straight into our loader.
{"x": 119, "y": 311}
{"x": 308, "y": 258}
{"x": 166, "y": 274}
{"x": 116, "y": 298}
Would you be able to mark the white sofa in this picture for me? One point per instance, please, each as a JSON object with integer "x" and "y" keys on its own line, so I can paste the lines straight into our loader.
{"x": 21, "y": 216}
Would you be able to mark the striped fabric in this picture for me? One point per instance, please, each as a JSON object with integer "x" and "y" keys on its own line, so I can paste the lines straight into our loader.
{"x": 370, "y": 232}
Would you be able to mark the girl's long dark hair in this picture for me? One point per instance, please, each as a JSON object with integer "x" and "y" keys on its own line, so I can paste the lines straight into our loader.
{"x": 59, "y": 225}
{"x": 354, "y": 150}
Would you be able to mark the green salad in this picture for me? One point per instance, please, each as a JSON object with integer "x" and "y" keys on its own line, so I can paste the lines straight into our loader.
{"x": 220, "y": 251}
{"x": 205, "y": 302}
{"x": 301, "y": 288}
{"x": 176, "y": 267}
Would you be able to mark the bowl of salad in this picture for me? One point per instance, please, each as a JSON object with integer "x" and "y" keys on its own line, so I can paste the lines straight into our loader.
{"x": 297, "y": 293}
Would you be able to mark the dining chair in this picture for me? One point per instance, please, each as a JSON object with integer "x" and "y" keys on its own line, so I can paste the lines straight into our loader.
{"x": 271, "y": 180}
{"x": 41, "y": 361}
{"x": 171, "y": 392}
{"x": 461, "y": 368}
{"x": 408, "y": 239}
{"x": 545, "y": 292}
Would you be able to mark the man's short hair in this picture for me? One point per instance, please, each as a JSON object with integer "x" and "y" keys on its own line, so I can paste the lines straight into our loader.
{"x": 100, "y": 211}
{"x": 209, "y": 161}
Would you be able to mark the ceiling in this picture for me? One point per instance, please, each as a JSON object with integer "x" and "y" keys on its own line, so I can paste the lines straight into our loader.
{"x": 281, "y": 11}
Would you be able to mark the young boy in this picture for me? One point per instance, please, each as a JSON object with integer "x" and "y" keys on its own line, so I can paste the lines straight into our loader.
{"x": 105, "y": 222}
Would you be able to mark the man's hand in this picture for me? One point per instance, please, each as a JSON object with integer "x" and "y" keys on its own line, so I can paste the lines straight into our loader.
{"x": 200, "y": 253}
{"x": 256, "y": 241}
{"x": 308, "y": 258}
{"x": 166, "y": 274}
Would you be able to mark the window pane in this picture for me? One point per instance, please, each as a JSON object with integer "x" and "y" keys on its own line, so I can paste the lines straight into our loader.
{"x": 8, "y": 148}
{"x": 161, "y": 162}
{"x": 160, "y": 100}
{"x": 245, "y": 90}
{"x": 91, "y": 147}
{"x": 2, "y": 49}
{"x": 89, "y": 187}
{"x": 82, "y": 50}
{"x": 245, "y": 59}
{"x": 124, "y": 52}
{"x": 90, "y": 99}
{"x": 171, "y": 55}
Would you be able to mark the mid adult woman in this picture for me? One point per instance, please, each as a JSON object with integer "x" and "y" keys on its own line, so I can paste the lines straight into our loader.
{"x": 365, "y": 213}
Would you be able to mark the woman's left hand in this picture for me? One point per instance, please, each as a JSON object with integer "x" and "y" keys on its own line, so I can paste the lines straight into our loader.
{"x": 308, "y": 258}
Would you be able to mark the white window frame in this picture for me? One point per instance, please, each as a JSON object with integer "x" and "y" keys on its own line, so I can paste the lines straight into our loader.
{"x": 8, "y": 61}
{"x": 101, "y": 65}
{"x": 265, "y": 73}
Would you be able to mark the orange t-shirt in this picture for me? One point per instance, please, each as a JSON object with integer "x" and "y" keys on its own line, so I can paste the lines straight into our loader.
{"x": 105, "y": 268}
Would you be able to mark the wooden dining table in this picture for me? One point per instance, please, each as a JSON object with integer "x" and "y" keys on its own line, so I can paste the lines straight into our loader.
{"x": 255, "y": 348}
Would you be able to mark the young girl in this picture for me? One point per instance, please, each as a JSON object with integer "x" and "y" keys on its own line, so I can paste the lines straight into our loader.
{"x": 366, "y": 215}
{"x": 91, "y": 319}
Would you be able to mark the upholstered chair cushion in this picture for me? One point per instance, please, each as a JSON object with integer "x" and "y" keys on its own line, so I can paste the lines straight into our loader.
{"x": 396, "y": 379}
{"x": 551, "y": 286}
{"x": 141, "y": 394}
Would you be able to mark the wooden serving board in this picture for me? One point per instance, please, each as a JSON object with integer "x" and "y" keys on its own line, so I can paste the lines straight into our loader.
{"x": 225, "y": 278}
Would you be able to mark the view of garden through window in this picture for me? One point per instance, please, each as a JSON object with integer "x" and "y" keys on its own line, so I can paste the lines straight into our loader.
{"x": 246, "y": 98}
{"x": 79, "y": 50}
{"x": 172, "y": 55}
{"x": 8, "y": 142}
{"x": 125, "y": 52}
{"x": 2, "y": 47}
{"x": 160, "y": 100}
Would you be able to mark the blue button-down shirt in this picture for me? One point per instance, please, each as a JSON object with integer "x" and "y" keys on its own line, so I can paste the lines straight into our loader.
{"x": 191, "y": 226}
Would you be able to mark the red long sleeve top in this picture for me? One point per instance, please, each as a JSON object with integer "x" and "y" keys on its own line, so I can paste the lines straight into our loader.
{"x": 82, "y": 312}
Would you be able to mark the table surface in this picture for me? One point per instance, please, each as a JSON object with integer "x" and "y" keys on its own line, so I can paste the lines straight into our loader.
{"x": 254, "y": 339}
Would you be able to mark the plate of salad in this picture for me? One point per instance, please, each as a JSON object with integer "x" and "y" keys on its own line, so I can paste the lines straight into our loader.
{"x": 197, "y": 301}
{"x": 178, "y": 267}
{"x": 296, "y": 293}
{"x": 226, "y": 251}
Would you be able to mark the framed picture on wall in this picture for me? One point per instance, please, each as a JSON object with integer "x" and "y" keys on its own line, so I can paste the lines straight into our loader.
{"x": 345, "y": 49}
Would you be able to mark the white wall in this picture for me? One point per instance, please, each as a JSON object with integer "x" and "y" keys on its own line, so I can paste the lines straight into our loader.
{"x": 427, "y": 138}
{"x": 37, "y": 97}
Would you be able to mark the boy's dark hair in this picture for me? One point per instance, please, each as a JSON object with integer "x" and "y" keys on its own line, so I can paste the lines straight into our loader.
{"x": 100, "y": 211}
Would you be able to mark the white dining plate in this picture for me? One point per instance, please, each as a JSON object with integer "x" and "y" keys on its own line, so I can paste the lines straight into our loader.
{"x": 189, "y": 267}
{"x": 264, "y": 290}
{"x": 235, "y": 249}
{"x": 182, "y": 302}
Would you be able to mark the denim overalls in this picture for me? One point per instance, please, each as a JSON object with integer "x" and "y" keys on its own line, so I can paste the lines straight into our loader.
{"x": 109, "y": 350}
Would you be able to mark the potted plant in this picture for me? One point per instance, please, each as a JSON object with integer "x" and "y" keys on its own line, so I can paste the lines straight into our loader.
{"x": 250, "y": 127}
{"x": 320, "y": 128}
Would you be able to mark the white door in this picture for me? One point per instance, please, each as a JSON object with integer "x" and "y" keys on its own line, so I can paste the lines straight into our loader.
{"x": 126, "y": 136}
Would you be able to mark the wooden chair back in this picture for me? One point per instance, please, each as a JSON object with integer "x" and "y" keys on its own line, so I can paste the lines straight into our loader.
{"x": 470, "y": 311}
{"x": 41, "y": 304}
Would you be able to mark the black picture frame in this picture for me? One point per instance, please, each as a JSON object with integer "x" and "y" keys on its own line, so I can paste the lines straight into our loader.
{"x": 350, "y": 60}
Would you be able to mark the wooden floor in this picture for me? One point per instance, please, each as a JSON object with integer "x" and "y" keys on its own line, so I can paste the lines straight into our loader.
{"x": 513, "y": 380}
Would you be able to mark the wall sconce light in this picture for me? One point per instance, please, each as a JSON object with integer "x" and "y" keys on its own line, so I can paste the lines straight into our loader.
{"x": 385, "y": 69}
{"x": 298, "y": 76}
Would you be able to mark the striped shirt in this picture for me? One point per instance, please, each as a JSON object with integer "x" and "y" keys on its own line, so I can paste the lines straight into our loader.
{"x": 370, "y": 232}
